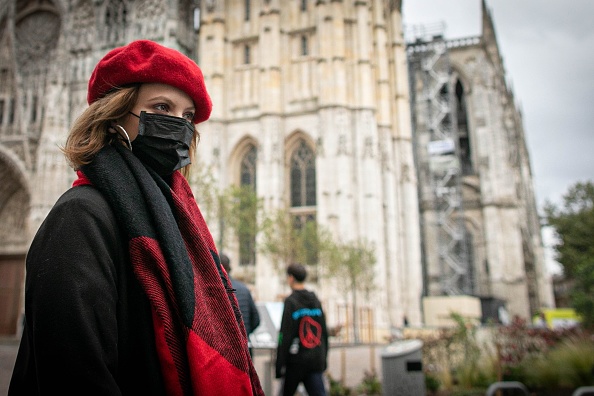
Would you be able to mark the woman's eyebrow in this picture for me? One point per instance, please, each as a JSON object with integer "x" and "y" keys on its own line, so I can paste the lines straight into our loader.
{"x": 169, "y": 101}
{"x": 160, "y": 97}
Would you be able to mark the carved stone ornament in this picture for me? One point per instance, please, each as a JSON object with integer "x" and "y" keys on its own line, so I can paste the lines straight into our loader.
{"x": 36, "y": 35}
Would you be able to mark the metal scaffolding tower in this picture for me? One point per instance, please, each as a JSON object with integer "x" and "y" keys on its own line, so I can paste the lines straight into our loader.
{"x": 433, "y": 104}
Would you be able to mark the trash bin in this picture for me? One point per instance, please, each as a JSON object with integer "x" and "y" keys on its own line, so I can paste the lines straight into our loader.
{"x": 402, "y": 369}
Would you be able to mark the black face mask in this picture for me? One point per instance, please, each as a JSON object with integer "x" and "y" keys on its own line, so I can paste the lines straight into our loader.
{"x": 163, "y": 142}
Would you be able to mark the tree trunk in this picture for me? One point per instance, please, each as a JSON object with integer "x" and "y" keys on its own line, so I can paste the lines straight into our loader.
{"x": 355, "y": 316}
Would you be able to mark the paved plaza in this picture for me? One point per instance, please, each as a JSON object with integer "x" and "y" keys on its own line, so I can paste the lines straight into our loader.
{"x": 345, "y": 362}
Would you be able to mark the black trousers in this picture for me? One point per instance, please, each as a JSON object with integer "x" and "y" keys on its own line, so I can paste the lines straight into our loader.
{"x": 312, "y": 380}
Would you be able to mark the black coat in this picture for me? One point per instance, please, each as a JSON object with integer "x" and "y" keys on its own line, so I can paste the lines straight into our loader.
{"x": 249, "y": 312}
{"x": 88, "y": 326}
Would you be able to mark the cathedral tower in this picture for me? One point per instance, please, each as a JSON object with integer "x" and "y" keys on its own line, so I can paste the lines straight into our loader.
{"x": 481, "y": 230}
{"x": 311, "y": 99}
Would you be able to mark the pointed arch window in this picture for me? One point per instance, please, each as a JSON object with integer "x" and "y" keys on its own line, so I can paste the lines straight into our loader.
{"x": 34, "y": 109}
{"x": 247, "y": 56}
{"x": 303, "y": 176}
{"x": 116, "y": 20}
{"x": 303, "y": 198}
{"x": 464, "y": 249}
{"x": 247, "y": 4}
{"x": 463, "y": 132}
{"x": 304, "y": 46}
{"x": 246, "y": 234}
{"x": 11, "y": 111}
{"x": 248, "y": 168}
{"x": 187, "y": 14}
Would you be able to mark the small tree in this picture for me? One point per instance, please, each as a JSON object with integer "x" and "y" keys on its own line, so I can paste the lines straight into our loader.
{"x": 353, "y": 265}
{"x": 234, "y": 208}
{"x": 573, "y": 222}
{"x": 243, "y": 208}
{"x": 288, "y": 240}
{"x": 280, "y": 239}
{"x": 205, "y": 190}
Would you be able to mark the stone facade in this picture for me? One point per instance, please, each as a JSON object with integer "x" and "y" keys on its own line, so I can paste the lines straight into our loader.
{"x": 48, "y": 49}
{"x": 481, "y": 230}
{"x": 317, "y": 84}
{"x": 329, "y": 77}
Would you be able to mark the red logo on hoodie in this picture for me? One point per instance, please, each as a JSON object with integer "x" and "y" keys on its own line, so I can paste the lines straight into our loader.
{"x": 310, "y": 332}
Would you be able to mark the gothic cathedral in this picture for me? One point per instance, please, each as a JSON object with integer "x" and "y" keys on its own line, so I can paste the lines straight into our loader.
{"x": 326, "y": 112}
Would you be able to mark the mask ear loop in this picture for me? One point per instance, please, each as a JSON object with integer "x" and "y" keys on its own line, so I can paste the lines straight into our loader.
{"x": 121, "y": 128}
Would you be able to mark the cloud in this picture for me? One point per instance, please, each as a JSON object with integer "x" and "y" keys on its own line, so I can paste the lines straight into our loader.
{"x": 547, "y": 53}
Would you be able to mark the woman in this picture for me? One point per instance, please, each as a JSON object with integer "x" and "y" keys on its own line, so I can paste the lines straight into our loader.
{"x": 125, "y": 293}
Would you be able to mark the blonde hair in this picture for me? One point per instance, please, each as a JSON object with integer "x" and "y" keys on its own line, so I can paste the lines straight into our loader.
{"x": 90, "y": 132}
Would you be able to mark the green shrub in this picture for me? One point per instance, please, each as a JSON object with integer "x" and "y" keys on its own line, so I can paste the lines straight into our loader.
{"x": 538, "y": 373}
{"x": 432, "y": 383}
{"x": 569, "y": 364}
{"x": 518, "y": 372}
{"x": 575, "y": 359}
{"x": 337, "y": 388}
{"x": 476, "y": 374}
{"x": 457, "y": 361}
{"x": 370, "y": 384}
{"x": 468, "y": 392}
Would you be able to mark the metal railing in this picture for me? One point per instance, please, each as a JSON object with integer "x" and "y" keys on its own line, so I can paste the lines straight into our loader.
{"x": 507, "y": 385}
{"x": 583, "y": 391}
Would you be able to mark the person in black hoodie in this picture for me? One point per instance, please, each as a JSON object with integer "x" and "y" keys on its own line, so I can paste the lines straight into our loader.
{"x": 302, "y": 351}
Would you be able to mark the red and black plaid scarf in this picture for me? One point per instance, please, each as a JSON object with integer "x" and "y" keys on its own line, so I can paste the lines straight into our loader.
{"x": 199, "y": 333}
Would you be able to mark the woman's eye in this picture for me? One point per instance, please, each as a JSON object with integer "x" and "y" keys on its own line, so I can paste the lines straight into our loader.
{"x": 161, "y": 107}
{"x": 189, "y": 116}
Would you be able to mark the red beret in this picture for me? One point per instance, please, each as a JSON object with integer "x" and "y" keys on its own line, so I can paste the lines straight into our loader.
{"x": 145, "y": 61}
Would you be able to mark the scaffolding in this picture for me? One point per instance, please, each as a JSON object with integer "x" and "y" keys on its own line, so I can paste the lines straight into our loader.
{"x": 433, "y": 105}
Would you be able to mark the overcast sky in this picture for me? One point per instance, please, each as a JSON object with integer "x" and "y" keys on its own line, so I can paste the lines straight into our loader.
{"x": 548, "y": 52}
